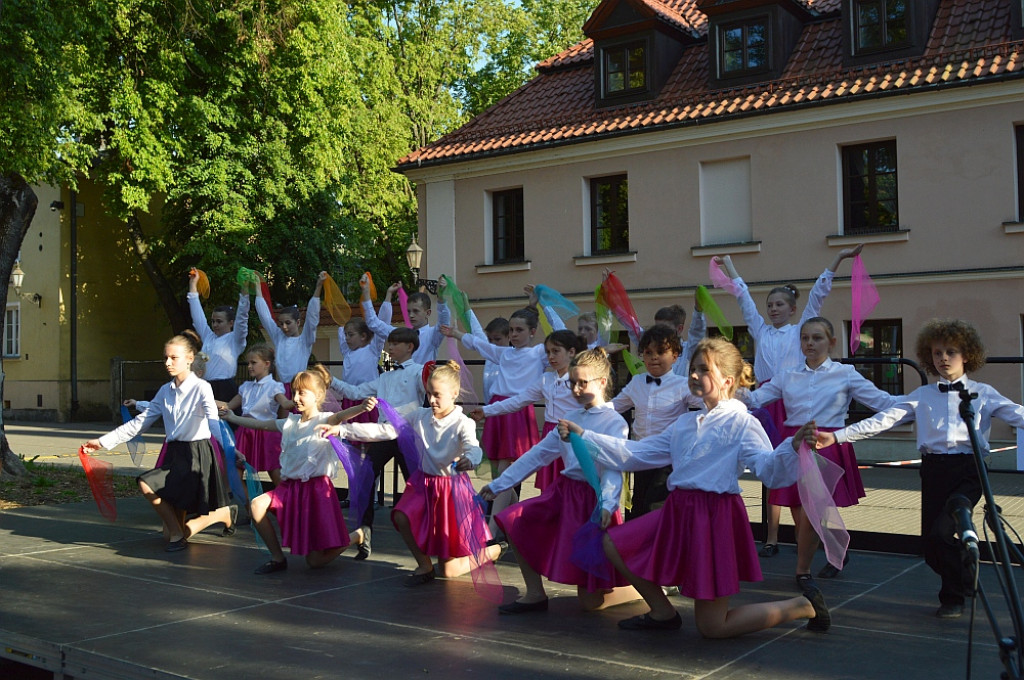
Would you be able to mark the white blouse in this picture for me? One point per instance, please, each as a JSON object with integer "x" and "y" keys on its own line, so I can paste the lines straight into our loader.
{"x": 656, "y": 406}
{"x": 292, "y": 351}
{"x": 258, "y": 397}
{"x": 708, "y": 451}
{"x": 304, "y": 453}
{"x": 517, "y": 367}
{"x": 186, "y": 409}
{"x": 778, "y": 349}
{"x": 223, "y": 350}
{"x": 360, "y": 365}
{"x": 602, "y": 419}
{"x": 552, "y": 389}
{"x": 820, "y": 394}
{"x": 401, "y": 387}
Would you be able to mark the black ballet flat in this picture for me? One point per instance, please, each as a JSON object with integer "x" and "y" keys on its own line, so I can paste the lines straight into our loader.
{"x": 646, "y": 622}
{"x": 271, "y": 567}
{"x": 523, "y": 607}
{"x": 176, "y": 546}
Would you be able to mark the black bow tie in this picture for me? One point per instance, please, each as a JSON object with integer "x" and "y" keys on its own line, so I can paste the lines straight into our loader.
{"x": 951, "y": 387}
{"x": 399, "y": 367}
{"x": 656, "y": 381}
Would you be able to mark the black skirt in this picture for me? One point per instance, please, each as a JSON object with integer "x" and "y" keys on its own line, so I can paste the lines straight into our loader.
{"x": 189, "y": 478}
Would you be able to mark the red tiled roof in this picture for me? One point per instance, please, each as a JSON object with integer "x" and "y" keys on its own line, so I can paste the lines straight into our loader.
{"x": 970, "y": 42}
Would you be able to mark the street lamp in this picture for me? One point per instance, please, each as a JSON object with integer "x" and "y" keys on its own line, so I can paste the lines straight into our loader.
{"x": 18, "y": 278}
{"x": 414, "y": 256}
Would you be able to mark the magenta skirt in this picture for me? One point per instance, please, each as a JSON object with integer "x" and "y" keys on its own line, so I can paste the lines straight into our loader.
{"x": 542, "y": 530}
{"x": 509, "y": 435}
{"x": 309, "y": 515}
{"x": 699, "y": 541}
{"x": 261, "y": 448}
{"x": 429, "y": 502}
{"x": 849, "y": 489}
{"x": 547, "y": 475}
{"x": 368, "y": 417}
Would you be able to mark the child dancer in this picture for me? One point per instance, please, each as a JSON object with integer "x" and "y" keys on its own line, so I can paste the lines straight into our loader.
{"x": 552, "y": 388}
{"x": 188, "y": 479}
{"x": 657, "y": 397}
{"x": 403, "y": 389}
{"x": 261, "y": 398}
{"x": 819, "y": 391}
{"x": 426, "y": 516}
{"x": 223, "y": 338}
{"x": 674, "y": 316}
{"x": 361, "y": 341}
{"x": 496, "y": 333}
{"x": 949, "y": 349}
{"x": 542, "y": 529}
{"x": 419, "y": 314}
{"x": 305, "y": 502}
{"x": 507, "y": 437}
{"x": 292, "y": 342}
{"x": 778, "y": 346}
{"x": 701, "y": 537}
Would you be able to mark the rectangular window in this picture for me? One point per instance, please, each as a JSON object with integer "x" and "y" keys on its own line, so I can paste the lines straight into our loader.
{"x": 880, "y": 24}
{"x": 12, "y": 331}
{"x": 507, "y": 224}
{"x": 609, "y": 215}
{"x": 869, "y": 188}
{"x": 879, "y": 338}
{"x": 725, "y": 204}
{"x": 625, "y": 68}
{"x": 743, "y": 47}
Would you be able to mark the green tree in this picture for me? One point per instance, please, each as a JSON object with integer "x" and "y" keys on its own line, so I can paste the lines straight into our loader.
{"x": 46, "y": 117}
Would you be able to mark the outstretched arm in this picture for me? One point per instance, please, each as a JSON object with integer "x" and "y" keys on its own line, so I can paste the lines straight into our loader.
{"x": 845, "y": 254}
{"x": 348, "y": 414}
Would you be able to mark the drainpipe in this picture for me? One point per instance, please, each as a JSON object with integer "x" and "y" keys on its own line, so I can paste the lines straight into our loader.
{"x": 74, "y": 304}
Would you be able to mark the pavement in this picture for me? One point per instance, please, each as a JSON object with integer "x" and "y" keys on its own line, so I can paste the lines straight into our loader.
{"x": 86, "y": 598}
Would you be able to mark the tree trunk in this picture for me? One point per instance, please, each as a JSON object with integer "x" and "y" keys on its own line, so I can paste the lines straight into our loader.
{"x": 17, "y": 208}
{"x": 176, "y": 314}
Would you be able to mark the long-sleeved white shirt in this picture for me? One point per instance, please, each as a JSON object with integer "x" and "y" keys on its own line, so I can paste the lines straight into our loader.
{"x": 445, "y": 440}
{"x": 602, "y": 419}
{"x": 552, "y": 389}
{"x": 258, "y": 397}
{"x": 223, "y": 350}
{"x": 708, "y": 451}
{"x": 186, "y": 409}
{"x": 655, "y": 406}
{"x": 940, "y": 429}
{"x": 304, "y": 453}
{"x": 292, "y": 352}
{"x": 517, "y": 367}
{"x": 490, "y": 367}
{"x": 778, "y": 349}
{"x": 360, "y": 365}
{"x": 431, "y": 337}
{"x": 401, "y": 387}
{"x": 821, "y": 394}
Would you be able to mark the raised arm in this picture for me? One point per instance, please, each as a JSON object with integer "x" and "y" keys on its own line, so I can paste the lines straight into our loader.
{"x": 267, "y": 320}
{"x": 240, "y": 331}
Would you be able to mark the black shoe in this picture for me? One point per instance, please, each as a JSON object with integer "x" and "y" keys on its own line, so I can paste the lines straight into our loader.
{"x": 769, "y": 550}
{"x": 365, "y": 548}
{"x": 414, "y": 579}
{"x": 822, "y": 620}
{"x": 523, "y": 607}
{"x": 645, "y": 622}
{"x": 829, "y": 571}
{"x": 271, "y": 567}
{"x": 805, "y": 582}
{"x": 230, "y": 530}
{"x": 176, "y": 546}
{"x": 950, "y": 611}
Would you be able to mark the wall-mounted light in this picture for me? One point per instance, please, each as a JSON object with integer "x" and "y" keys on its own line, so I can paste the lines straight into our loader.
{"x": 17, "y": 279}
{"x": 414, "y": 256}
{"x": 56, "y": 205}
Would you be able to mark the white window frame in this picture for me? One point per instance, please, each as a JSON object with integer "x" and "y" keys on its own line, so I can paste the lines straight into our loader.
{"x": 12, "y": 331}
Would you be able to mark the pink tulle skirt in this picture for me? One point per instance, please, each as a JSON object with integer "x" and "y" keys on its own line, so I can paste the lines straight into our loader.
{"x": 849, "y": 489}
{"x": 261, "y": 448}
{"x": 542, "y": 530}
{"x": 309, "y": 515}
{"x": 368, "y": 417}
{"x": 699, "y": 541}
{"x": 509, "y": 435}
{"x": 547, "y": 475}
{"x": 429, "y": 502}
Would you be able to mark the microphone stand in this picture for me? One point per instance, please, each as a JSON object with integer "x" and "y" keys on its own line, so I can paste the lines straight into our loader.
{"x": 1011, "y": 653}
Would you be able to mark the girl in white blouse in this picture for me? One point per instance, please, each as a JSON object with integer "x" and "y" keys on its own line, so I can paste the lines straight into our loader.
{"x": 261, "y": 398}
{"x": 820, "y": 391}
{"x": 426, "y": 516}
{"x": 187, "y": 478}
{"x": 701, "y": 539}
{"x": 292, "y": 342}
{"x": 305, "y": 502}
{"x": 223, "y": 338}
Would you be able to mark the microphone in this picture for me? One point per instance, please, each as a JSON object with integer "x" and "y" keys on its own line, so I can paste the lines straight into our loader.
{"x": 959, "y": 507}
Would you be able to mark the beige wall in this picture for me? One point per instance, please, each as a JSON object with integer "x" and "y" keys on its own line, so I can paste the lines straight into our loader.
{"x": 956, "y": 175}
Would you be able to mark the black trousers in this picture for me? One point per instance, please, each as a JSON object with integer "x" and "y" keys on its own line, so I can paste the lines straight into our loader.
{"x": 943, "y": 475}
{"x": 649, "y": 487}
{"x": 380, "y": 453}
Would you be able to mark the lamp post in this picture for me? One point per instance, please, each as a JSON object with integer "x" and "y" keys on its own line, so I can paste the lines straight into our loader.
{"x": 414, "y": 256}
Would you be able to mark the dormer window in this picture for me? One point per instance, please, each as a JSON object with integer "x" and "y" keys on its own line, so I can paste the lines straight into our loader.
{"x": 744, "y": 47}
{"x": 880, "y": 24}
{"x": 625, "y": 68}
